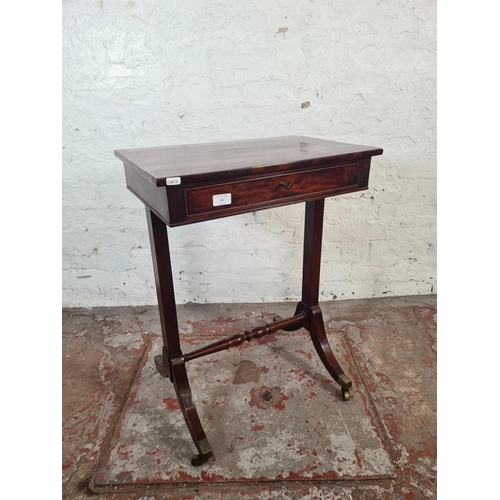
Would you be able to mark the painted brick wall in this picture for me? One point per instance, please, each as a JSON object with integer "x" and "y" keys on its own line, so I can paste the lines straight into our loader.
{"x": 147, "y": 73}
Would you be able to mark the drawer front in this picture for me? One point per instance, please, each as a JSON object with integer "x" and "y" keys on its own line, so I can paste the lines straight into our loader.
{"x": 269, "y": 190}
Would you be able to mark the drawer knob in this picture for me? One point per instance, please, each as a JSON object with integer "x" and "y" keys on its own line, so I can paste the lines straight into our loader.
{"x": 285, "y": 185}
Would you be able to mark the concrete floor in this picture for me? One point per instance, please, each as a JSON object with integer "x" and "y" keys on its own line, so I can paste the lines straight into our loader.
{"x": 275, "y": 420}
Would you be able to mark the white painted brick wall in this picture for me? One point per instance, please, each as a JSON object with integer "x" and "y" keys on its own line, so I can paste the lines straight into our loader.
{"x": 147, "y": 73}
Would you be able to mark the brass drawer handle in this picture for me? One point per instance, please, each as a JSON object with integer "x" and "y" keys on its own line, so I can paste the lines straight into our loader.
{"x": 285, "y": 185}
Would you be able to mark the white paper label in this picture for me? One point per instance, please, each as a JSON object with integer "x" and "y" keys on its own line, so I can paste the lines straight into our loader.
{"x": 173, "y": 181}
{"x": 222, "y": 199}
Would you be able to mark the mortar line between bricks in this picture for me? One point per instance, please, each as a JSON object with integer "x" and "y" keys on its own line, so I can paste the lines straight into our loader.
{"x": 116, "y": 419}
{"x": 375, "y": 410}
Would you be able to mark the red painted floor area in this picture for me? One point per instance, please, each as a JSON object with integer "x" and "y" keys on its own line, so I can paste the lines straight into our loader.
{"x": 276, "y": 422}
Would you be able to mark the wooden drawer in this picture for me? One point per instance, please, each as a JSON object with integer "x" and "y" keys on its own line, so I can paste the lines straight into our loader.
{"x": 270, "y": 191}
{"x": 179, "y": 183}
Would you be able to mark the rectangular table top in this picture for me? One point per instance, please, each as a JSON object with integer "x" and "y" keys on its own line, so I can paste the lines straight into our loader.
{"x": 220, "y": 160}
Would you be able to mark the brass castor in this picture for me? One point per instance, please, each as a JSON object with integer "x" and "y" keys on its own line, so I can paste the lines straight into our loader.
{"x": 206, "y": 452}
{"x": 197, "y": 460}
{"x": 345, "y": 394}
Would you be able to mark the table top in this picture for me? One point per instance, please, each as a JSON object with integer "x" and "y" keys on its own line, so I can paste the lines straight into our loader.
{"x": 221, "y": 160}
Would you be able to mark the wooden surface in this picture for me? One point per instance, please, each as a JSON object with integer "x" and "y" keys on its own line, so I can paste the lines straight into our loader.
{"x": 264, "y": 190}
{"x": 180, "y": 184}
{"x": 221, "y": 160}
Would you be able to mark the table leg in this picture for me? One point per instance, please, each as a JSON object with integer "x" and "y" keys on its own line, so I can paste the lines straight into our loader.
{"x": 171, "y": 363}
{"x": 313, "y": 233}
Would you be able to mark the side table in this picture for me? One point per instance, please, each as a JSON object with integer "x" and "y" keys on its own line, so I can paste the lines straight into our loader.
{"x": 194, "y": 183}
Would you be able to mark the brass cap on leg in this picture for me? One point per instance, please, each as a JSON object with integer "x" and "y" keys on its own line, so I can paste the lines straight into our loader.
{"x": 345, "y": 381}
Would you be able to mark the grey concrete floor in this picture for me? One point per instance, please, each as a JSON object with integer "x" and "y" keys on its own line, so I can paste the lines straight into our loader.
{"x": 276, "y": 421}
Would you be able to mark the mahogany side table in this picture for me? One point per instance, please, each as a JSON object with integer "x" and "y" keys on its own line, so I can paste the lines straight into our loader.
{"x": 193, "y": 183}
